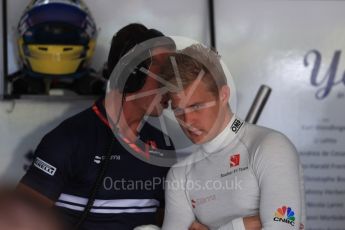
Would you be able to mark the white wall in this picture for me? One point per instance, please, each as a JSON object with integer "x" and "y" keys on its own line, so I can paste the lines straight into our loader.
{"x": 1, "y": 48}
{"x": 189, "y": 19}
{"x": 23, "y": 124}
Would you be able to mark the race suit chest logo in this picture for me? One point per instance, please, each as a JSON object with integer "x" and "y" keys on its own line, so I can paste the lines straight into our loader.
{"x": 44, "y": 166}
{"x": 99, "y": 158}
{"x": 235, "y": 160}
{"x": 236, "y": 125}
{"x": 204, "y": 200}
{"x": 285, "y": 215}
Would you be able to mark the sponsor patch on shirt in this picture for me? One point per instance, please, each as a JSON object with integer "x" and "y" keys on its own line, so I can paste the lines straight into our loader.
{"x": 235, "y": 160}
{"x": 203, "y": 200}
{"x": 98, "y": 159}
{"x": 235, "y": 171}
{"x": 236, "y": 125}
{"x": 285, "y": 215}
{"x": 44, "y": 166}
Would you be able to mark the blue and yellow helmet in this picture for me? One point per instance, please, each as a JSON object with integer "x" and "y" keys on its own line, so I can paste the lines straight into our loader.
{"x": 57, "y": 38}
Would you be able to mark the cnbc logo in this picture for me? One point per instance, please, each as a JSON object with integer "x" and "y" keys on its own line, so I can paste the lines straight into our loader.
{"x": 285, "y": 215}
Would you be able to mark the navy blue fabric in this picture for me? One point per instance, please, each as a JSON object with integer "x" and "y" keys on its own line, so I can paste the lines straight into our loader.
{"x": 57, "y": 12}
{"x": 72, "y": 147}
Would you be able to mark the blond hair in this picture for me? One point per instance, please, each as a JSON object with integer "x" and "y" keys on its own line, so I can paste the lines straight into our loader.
{"x": 190, "y": 62}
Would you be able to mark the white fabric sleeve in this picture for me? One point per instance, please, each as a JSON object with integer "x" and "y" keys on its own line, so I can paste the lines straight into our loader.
{"x": 178, "y": 210}
{"x": 277, "y": 168}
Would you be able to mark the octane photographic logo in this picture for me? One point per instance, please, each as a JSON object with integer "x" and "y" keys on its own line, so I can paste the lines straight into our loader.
{"x": 158, "y": 112}
{"x": 285, "y": 215}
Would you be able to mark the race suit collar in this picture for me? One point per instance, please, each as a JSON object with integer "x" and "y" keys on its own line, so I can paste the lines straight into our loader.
{"x": 225, "y": 137}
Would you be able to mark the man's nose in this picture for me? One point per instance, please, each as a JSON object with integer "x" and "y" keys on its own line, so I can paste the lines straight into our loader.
{"x": 189, "y": 117}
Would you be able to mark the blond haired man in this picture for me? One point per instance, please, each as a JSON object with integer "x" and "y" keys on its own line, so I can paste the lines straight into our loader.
{"x": 239, "y": 169}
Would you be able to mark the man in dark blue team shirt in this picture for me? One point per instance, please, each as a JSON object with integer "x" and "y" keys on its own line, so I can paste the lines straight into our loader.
{"x": 70, "y": 159}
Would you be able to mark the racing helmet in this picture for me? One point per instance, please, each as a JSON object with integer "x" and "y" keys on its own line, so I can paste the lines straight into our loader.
{"x": 56, "y": 38}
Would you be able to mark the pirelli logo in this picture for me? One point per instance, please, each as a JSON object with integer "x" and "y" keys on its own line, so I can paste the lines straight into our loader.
{"x": 44, "y": 166}
{"x": 236, "y": 125}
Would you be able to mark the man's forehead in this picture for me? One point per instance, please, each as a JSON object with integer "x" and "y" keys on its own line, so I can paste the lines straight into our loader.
{"x": 182, "y": 99}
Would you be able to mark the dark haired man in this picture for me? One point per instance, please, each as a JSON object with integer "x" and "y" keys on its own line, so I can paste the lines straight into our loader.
{"x": 102, "y": 154}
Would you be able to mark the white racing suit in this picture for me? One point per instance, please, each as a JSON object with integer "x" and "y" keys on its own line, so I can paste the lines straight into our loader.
{"x": 246, "y": 170}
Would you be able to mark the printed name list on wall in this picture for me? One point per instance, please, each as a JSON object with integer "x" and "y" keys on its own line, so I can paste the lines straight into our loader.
{"x": 324, "y": 158}
{"x": 297, "y": 49}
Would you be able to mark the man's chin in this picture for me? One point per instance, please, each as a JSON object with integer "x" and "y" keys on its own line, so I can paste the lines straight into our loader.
{"x": 199, "y": 142}
{"x": 196, "y": 139}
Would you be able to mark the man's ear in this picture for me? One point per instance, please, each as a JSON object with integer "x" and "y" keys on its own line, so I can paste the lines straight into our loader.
{"x": 224, "y": 94}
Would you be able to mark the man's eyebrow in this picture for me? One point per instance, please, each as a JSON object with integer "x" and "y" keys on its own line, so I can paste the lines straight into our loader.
{"x": 205, "y": 105}
{"x": 191, "y": 105}
{"x": 196, "y": 103}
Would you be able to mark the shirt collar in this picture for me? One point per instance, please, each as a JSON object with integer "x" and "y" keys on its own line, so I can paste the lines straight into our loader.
{"x": 225, "y": 137}
{"x": 100, "y": 105}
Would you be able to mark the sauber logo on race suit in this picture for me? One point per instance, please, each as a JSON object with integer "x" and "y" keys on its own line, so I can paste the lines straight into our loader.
{"x": 44, "y": 166}
{"x": 98, "y": 158}
{"x": 234, "y": 160}
{"x": 236, "y": 125}
{"x": 285, "y": 215}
